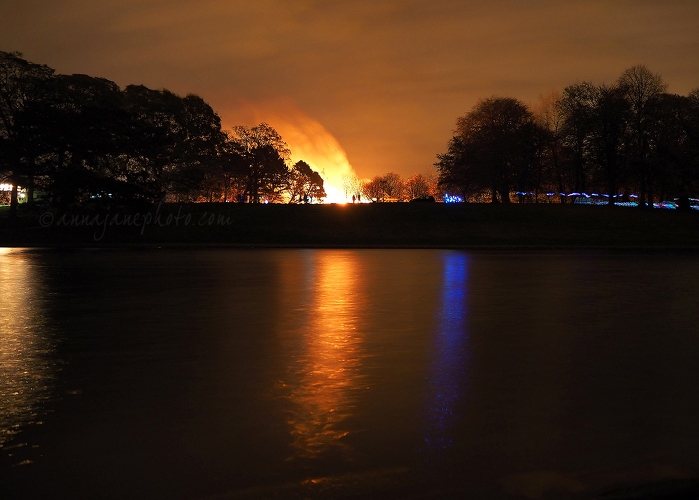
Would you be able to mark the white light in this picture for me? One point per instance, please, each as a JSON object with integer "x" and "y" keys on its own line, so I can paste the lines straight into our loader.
{"x": 333, "y": 194}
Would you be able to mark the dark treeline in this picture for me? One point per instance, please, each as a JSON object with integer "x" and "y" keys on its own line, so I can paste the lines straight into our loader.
{"x": 72, "y": 139}
{"x": 631, "y": 137}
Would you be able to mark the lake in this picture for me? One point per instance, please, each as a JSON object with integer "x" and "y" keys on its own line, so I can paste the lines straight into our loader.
{"x": 226, "y": 373}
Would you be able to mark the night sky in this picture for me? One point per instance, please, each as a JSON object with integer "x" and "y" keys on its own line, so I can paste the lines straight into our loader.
{"x": 380, "y": 80}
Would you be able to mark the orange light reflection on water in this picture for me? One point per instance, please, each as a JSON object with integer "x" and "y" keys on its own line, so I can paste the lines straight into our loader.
{"x": 25, "y": 369}
{"x": 324, "y": 378}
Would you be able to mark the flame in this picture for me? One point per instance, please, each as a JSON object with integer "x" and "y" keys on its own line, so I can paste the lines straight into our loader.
{"x": 308, "y": 140}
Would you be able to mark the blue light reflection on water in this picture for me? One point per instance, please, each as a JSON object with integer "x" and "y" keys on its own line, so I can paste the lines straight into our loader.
{"x": 450, "y": 355}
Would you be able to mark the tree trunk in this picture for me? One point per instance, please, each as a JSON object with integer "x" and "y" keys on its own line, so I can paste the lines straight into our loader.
{"x": 30, "y": 191}
{"x": 642, "y": 193}
{"x": 611, "y": 192}
{"x": 684, "y": 203}
{"x": 14, "y": 200}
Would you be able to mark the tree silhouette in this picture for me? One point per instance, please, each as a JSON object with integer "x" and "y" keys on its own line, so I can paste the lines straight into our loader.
{"x": 494, "y": 147}
{"x": 610, "y": 119}
{"x": 675, "y": 139}
{"x": 456, "y": 170}
{"x": 577, "y": 106}
{"x": 264, "y": 170}
{"x": 305, "y": 184}
{"x": 20, "y": 84}
{"x": 393, "y": 186}
{"x": 351, "y": 185}
{"x": 81, "y": 130}
{"x": 373, "y": 189}
{"x": 557, "y": 171}
{"x": 417, "y": 186}
{"x": 174, "y": 141}
{"x": 641, "y": 87}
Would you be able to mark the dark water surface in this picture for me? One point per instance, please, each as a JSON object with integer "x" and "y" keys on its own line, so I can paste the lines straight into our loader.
{"x": 346, "y": 373}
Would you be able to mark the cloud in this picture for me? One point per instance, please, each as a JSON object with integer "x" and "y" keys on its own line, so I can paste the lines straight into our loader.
{"x": 387, "y": 78}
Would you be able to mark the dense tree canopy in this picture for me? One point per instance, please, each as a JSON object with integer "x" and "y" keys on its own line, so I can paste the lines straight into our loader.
{"x": 72, "y": 139}
{"x": 630, "y": 138}
{"x": 77, "y": 138}
{"x": 263, "y": 170}
{"x": 21, "y": 85}
{"x": 306, "y": 185}
{"x": 417, "y": 186}
{"x": 493, "y": 149}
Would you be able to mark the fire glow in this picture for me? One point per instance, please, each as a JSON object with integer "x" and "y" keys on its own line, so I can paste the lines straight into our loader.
{"x": 309, "y": 141}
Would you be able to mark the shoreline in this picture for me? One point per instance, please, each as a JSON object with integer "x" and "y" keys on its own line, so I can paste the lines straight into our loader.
{"x": 542, "y": 227}
{"x": 242, "y": 247}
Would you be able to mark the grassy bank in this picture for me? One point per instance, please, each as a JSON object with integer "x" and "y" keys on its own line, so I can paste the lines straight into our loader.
{"x": 398, "y": 225}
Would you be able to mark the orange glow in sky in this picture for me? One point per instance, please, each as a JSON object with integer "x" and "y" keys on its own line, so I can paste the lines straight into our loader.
{"x": 308, "y": 140}
{"x": 388, "y": 79}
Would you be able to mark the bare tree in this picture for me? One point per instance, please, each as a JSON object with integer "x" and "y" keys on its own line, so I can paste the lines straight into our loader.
{"x": 641, "y": 87}
{"x": 549, "y": 116}
{"x": 417, "y": 186}
{"x": 434, "y": 187}
{"x": 577, "y": 107}
{"x": 393, "y": 186}
{"x": 351, "y": 185}
{"x": 373, "y": 189}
